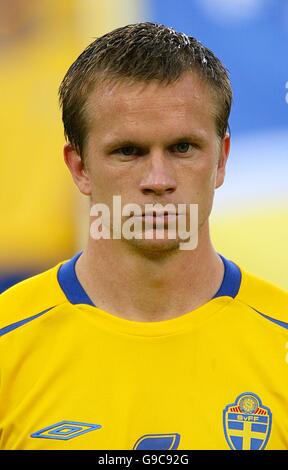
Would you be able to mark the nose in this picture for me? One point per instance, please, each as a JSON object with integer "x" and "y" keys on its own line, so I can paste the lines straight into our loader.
{"x": 158, "y": 177}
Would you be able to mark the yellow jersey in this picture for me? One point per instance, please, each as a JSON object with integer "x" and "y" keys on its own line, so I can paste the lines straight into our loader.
{"x": 76, "y": 377}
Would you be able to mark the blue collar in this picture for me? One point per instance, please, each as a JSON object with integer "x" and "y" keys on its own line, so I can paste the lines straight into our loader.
{"x": 70, "y": 284}
{"x": 75, "y": 293}
{"x": 231, "y": 281}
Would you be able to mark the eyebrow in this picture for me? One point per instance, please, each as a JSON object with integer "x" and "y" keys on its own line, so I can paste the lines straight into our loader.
{"x": 119, "y": 143}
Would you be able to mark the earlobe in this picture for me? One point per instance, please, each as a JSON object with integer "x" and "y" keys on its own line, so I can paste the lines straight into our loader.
{"x": 77, "y": 169}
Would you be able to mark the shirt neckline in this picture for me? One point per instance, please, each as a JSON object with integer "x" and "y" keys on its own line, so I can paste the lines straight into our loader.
{"x": 75, "y": 293}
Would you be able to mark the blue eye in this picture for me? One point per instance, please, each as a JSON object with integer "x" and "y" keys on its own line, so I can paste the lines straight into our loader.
{"x": 183, "y": 147}
{"x": 127, "y": 151}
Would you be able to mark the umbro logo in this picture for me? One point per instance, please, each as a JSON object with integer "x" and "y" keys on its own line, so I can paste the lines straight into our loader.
{"x": 65, "y": 430}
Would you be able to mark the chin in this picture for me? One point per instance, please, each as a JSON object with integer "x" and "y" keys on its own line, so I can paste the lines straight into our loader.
{"x": 155, "y": 248}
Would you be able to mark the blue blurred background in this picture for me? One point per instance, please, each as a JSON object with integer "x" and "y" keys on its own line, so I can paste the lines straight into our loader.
{"x": 44, "y": 219}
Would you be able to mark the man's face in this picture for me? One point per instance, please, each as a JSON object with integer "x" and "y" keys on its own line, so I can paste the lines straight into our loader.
{"x": 151, "y": 142}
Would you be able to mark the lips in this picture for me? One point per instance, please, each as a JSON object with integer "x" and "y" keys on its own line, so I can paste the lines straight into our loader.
{"x": 159, "y": 219}
{"x": 159, "y": 213}
{"x": 158, "y": 216}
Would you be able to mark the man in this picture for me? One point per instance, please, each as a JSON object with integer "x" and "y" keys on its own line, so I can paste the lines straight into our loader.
{"x": 139, "y": 342}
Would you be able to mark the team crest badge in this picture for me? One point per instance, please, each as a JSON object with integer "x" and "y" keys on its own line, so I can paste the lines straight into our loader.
{"x": 247, "y": 423}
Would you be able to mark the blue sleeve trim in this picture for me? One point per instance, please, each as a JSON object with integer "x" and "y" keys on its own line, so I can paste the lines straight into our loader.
{"x": 278, "y": 322}
{"x": 70, "y": 284}
{"x": 231, "y": 281}
{"x": 13, "y": 326}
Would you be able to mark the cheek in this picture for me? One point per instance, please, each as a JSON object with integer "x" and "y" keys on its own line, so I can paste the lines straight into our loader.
{"x": 99, "y": 185}
{"x": 202, "y": 189}
{"x": 107, "y": 182}
{"x": 203, "y": 179}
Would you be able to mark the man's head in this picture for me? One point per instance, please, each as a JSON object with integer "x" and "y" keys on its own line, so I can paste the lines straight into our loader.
{"x": 139, "y": 52}
{"x": 145, "y": 111}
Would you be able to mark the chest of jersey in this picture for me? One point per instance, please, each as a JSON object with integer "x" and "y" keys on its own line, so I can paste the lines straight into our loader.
{"x": 82, "y": 387}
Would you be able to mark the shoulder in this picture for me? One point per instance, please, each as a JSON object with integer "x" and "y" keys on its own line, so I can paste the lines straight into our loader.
{"x": 31, "y": 297}
{"x": 263, "y": 296}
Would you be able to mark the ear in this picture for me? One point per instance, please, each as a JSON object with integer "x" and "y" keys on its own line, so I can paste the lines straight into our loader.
{"x": 223, "y": 157}
{"x": 77, "y": 169}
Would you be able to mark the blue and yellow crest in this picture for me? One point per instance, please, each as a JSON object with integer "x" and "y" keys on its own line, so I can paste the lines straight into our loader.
{"x": 247, "y": 423}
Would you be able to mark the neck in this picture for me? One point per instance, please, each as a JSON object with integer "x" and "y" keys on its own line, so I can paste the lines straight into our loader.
{"x": 132, "y": 285}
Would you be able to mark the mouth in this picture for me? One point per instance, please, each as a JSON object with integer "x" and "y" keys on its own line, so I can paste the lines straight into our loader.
{"x": 158, "y": 213}
{"x": 158, "y": 218}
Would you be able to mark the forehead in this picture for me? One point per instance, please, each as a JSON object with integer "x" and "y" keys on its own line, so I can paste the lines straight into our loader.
{"x": 187, "y": 102}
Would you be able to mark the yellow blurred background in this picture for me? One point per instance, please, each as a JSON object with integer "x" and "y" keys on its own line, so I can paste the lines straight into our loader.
{"x": 41, "y": 208}
{"x": 43, "y": 217}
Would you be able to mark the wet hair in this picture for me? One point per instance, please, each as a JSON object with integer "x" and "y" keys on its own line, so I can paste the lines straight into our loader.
{"x": 139, "y": 52}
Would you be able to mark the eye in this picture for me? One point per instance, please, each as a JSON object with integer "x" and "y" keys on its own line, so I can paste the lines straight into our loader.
{"x": 183, "y": 147}
{"x": 128, "y": 151}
